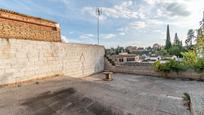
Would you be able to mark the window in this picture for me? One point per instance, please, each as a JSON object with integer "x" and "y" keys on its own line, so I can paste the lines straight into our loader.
{"x": 130, "y": 59}
{"x": 121, "y": 60}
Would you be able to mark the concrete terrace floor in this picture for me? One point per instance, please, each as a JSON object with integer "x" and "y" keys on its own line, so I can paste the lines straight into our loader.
{"x": 125, "y": 95}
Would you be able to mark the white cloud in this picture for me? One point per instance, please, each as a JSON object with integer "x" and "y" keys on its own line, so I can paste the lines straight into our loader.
{"x": 123, "y": 29}
{"x": 92, "y": 12}
{"x": 108, "y": 36}
{"x": 122, "y": 33}
{"x": 86, "y": 36}
{"x": 137, "y": 25}
{"x": 66, "y": 2}
{"x": 152, "y": 9}
{"x": 122, "y": 10}
{"x": 64, "y": 39}
{"x": 154, "y": 14}
{"x": 151, "y": 2}
{"x": 168, "y": 9}
{"x": 154, "y": 22}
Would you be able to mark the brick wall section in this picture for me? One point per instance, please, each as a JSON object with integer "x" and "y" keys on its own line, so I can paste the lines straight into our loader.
{"x": 22, "y": 60}
{"x": 20, "y": 26}
{"x": 147, "y": 69}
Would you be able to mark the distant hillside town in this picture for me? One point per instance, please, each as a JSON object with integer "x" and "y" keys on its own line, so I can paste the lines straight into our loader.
{"x": 171, "y": 50}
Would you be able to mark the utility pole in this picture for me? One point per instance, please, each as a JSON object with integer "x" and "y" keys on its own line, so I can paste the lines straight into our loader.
{"x": 98, "y": 13}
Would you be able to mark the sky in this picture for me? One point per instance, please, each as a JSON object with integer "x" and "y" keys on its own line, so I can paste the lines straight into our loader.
{"x": 122, "y": 23}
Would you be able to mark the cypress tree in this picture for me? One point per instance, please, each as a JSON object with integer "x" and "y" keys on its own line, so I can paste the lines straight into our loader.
{"x": 168, "y": 39}
{"x": 176, "y": 40}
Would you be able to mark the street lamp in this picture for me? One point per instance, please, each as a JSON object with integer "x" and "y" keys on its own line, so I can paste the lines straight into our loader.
{"x": 98, "y": 13}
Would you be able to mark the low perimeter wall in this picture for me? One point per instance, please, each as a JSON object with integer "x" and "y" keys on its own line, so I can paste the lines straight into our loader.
{"x": 22, "y": 60}
{"x": 148, "y": 70}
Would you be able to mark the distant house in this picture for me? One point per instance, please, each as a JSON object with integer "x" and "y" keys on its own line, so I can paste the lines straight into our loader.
{"x": 174, "y": 57}
{"x": 152, "y": 58}
{"x": 132, "y": 49}
{"x": 140, "y": 49}
{"x": 125, "y": 57}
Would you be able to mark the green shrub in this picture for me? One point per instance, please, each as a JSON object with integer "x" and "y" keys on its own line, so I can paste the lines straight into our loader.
{"x": 199, "y": 65}
{"x": 187, "y": 100}
{"x": 190, "y": 58}
{"x": 190, "y": 61}
{"x": 157, "y": 65}
{"x": 193, "y": 61}
{"x": 186, "y": 97}
{"x": 171, "y": 66}
{"x": 176, "y": 50}
{"x": 165, "y": 67}
{"x": 177, "y": 66}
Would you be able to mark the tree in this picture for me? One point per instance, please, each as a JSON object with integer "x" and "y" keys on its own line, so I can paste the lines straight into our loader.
{"x": 177, "y": 41}
{"x": 127, "y": 50}
{"x": 119, "y": 50}
{"x": 110, "y": 51}
{"x": 200, "y": 35}
{"x": 200, "y": 38}
{"x": 190, "y": 58}
{"x": 199, "y": 47}
{"x": 177, "y": 47}
{"x": 168, "y": 39}
{"x": 176, "y": 50}
{"x": 162, "y": 52}
{"x": 149, "y": 48}
{"x": 190, "y": 37}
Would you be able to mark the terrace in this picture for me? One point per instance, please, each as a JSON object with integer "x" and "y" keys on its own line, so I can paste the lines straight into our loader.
{"x": 126, "y": 95}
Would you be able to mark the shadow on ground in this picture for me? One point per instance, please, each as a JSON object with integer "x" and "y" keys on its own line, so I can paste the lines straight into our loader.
{"x": 66, "y": 102}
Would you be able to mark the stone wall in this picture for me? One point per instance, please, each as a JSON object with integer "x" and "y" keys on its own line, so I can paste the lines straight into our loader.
{"x": 20, "y": 26}
{"x": 148, "y": 70}
{"x": 22, "y": 60}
